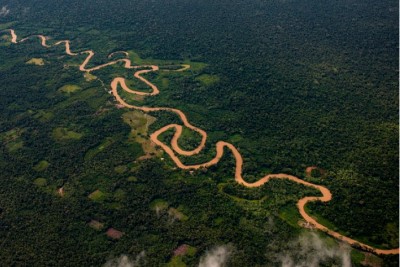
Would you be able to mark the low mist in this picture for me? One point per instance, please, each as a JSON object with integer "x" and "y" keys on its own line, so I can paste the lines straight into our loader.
{"x": 217, "y": 257}
{"x": 126, "y": 261}
{"x": 4, "y": 11}
{"x": 309, "y": 250}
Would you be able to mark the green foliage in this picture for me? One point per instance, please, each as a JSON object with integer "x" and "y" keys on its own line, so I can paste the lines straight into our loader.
{"x": 43, "y": 116}
{"x": 120, "y": 195}
{"x": 287, "y": 82}
{"x": 176, "y": 262}
{"x": 357, "y": 256}
{"x": 41, "y": 166}
{"x": 97, "y": 196}
{"x": 6, "y": 25}
{"x": 62, "y": 134}
{"x": 121, "y": 169}
{"x": 364, "y": 199}
{"x": 40, "y": 182}
{"x": 11, "y": 135}
{"x": 104, "y": 145}
{"x": 290, "y": 214}
{"x": 316, "y": 173}
{"x": 207, "y": 79}
{"x": 159, "y": 204}
{"x": 132, "y": 179}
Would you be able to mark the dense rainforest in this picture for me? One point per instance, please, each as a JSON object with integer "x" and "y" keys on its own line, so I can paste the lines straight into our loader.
{"x": 291, "y": 84}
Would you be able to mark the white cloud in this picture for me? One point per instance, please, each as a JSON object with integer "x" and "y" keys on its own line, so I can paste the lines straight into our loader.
{"x": 4, "y": 11}
{"x": 217, "y": 257}
{"x": 309, "y": 250}
{"x": 125, "y": 261}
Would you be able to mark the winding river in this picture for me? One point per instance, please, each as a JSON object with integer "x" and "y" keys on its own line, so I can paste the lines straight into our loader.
{"x": 173, "y": 149}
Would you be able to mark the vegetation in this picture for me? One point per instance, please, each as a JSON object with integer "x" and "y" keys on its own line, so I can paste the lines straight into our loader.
{"x": 291, "y": 84}
{"x": 41, "y": 166}
{"x": 69, "y": 88}
{"x": 97, "y": 196}
{"x": 62, "y": 134}
{"x": 40, "y": 182}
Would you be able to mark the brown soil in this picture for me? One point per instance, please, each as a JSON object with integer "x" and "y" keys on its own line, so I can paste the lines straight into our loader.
{"x": 174, "y": 150}
{"x": 181, "y": 250}
{"x": 36, "y": 61}
{"x": 371, "y": 260}
{"x": 114, "y": 234}
{"x": 61, "y": 192}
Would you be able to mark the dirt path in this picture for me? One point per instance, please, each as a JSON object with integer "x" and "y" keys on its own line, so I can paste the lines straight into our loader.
{"x": 174, "y": 150}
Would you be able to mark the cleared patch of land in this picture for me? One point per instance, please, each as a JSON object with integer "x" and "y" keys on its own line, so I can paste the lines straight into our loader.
{"x": 132, "y": 179}
{"x": 97, "y": 196}
{"x": 140, "y": 122}
{"x": 6, "y": 25}
{"x": 5, "y": 41}
{"x": 93, "y": 152}
{"x": 40, "y": 182}
{"x": 177, "y": 214}
{"x": 159, "y": 205}
{"x": 41, "y": 165}
{"x": 121, "y": 169}
{"x": 36, "y": 61}
{"x": 11, "y": 134}
{"x": 61, "y": 191}
{"x": 207, "y": 79}
{"x": 371, "y": 260}
{"x": 63, "y": 134}
{"x": 12, "y": 139}
{"x": 96, "y": 225}
{"x": 43, "y": 116}
{"x": 114, "y": 234}
{"x": 89, "y": 77}
{"x": 69, "y": 88}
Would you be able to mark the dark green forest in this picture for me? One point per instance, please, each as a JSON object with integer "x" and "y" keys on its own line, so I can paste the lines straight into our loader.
{"x": 291, "y": 84}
